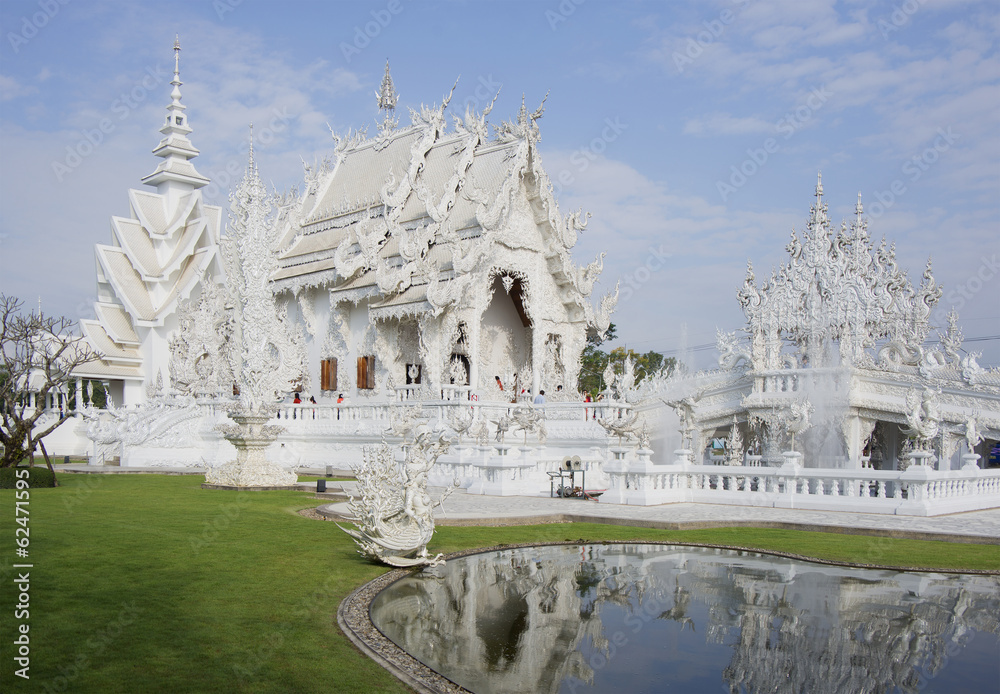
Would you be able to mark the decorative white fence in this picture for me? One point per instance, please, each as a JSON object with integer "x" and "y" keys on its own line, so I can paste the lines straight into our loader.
{"x": 917, "y": 491}
{"x": 444, "y": 409}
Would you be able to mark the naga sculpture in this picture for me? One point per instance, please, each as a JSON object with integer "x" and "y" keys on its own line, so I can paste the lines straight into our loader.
{"x": 395, "y": 514}
{"x": 922, "y": 416}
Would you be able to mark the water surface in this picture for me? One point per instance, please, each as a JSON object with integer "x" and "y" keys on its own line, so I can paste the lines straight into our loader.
{"x": 661, "y": 618}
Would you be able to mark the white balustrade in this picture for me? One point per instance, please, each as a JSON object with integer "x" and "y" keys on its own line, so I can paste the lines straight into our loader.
{"x": 916, "y": 491}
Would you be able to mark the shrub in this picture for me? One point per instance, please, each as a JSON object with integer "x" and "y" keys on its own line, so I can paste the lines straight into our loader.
{"x": 37, "y": 477}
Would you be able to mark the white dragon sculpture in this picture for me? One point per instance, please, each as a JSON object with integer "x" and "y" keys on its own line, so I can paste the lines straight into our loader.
{"x": 394, "y": 515}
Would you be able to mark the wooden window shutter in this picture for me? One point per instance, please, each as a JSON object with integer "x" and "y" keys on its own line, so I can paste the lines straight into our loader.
{"x": 366, "y": 372}
{"x": 328, "y": 374}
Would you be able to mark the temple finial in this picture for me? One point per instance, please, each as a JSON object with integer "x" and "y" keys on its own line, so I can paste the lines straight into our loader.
{"x": 387, "y": 98}
{"x": 819, "y": 186}
{"x": 175, "y": 148}
{"x": 252, "y": 164}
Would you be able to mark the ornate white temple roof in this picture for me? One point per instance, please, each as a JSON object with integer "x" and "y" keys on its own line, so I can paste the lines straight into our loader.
{"x": 424, "y": 205}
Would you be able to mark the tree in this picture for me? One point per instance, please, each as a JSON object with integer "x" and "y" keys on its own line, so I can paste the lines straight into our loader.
{"x": 593, "y": 361}
{"x": 39, "y": 355}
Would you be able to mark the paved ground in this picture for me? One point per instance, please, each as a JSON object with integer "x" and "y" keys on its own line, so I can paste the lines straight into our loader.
{"x": 467, "y": 509}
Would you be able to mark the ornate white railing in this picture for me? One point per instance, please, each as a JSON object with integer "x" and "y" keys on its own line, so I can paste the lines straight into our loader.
{"x": 918, "y": 491}
{"x": 829, "y": 380}
{"x": 557, "y": 411}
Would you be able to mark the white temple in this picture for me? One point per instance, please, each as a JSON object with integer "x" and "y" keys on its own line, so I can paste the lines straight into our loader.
{"x": 431, "y": 267}
{"x": 434, "y": 260}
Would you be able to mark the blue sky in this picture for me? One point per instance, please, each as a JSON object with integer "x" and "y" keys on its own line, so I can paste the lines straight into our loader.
{"x": 652, "y": 107}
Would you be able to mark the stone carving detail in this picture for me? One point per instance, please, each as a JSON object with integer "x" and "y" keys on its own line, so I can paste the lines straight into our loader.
{"x": 263, "y": 357}
{"x": 624, "y": 427}
{"x": 394, "y": 515}
{"x": 734, "y": 456}
{"x": 973, "y": 435}
{"x": 836, "y": 287}
{"x": 198, "y": 363}
{"x": 529, "y": 420}
{"x": 922, "y": 416}
{"x": 156, "y": 424}
{"x": 729, "y": 353}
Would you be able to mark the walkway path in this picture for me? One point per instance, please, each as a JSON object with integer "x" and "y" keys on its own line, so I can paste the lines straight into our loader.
{"x": 472, "y": 509}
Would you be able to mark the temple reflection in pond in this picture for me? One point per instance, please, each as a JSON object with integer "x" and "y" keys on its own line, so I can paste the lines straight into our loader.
{"x": 627, "y": 617}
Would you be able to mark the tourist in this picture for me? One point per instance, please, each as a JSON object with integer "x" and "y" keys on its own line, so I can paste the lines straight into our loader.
{"x": 499, "y": 384}
{"x": 340, "y": 401}
{"x": 540, "y": 398}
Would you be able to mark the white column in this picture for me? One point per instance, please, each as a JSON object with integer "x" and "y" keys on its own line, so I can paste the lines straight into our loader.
{"x": 79, "y": 394}
{"x": 537, "y": 356}
{"x": 473, "y": 327}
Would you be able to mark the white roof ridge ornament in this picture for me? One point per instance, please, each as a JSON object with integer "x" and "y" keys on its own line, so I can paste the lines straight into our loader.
{"x": 387, "y": 97}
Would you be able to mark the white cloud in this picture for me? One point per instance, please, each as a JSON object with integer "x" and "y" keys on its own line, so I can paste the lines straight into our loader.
{"x": 11, "y": 89}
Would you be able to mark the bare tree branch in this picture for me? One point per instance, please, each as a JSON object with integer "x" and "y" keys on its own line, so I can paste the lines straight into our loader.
{"x": 40, "y": 354}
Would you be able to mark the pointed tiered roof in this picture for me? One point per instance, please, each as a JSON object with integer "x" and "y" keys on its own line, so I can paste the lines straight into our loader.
{"x": 157, "y": 256}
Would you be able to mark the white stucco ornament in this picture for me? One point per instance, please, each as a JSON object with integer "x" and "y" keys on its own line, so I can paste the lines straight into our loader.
{"x": 394, "y": 515}
{"x": 261, "y": 355}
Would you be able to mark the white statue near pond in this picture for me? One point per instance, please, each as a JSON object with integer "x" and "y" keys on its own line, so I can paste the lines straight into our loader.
{"x": 395, "y": 513}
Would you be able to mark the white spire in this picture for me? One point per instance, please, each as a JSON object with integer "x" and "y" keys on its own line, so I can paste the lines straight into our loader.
{"x": 176, "y": 171}
{"x": 387, "y": 98}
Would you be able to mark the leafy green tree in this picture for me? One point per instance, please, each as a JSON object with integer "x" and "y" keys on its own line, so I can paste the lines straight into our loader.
{"x": 594, "y": 361}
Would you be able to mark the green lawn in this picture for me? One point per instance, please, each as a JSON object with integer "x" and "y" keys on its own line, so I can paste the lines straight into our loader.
{"x": 147, "y": 583}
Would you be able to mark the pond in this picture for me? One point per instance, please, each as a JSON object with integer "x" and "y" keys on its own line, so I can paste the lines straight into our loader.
{"x": 652, "y": 618}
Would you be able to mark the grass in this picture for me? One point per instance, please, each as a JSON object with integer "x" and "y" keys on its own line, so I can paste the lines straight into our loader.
{"x": 148, "y": 583}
